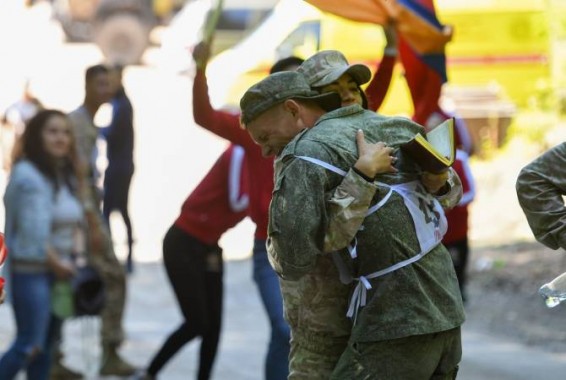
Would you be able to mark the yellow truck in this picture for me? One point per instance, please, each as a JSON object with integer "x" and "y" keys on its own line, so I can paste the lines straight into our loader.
{"x": 515, "y": 44}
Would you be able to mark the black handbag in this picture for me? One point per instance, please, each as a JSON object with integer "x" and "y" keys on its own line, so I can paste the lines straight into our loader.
{"x": 89, "y": 292}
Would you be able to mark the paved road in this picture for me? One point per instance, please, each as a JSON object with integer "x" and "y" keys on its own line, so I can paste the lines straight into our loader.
{"x": 152, "y": 314}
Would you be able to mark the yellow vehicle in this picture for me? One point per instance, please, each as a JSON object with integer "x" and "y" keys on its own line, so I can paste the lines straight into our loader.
{"x": 515, "y": 45}
{"x": 512, "y": 43}
{"x": 293, "y": 28}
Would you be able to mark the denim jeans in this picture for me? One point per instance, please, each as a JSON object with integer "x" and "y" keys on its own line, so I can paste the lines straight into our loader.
{"x": 277, "y": 360}
{"x": 31, "y": 303}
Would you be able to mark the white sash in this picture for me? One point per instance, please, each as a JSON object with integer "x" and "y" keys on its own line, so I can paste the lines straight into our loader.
{"x": 428, "y": 218}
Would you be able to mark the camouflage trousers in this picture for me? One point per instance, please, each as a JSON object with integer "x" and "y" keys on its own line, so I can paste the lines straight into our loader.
{"x": 315, "y": 308}
{"x": 431, "y": 356}
{"x": 114, "y": 277}
{"x": 313, "y": 357}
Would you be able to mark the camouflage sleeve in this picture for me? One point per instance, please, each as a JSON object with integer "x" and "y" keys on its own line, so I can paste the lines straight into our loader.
{"x": 452, "y": 197}
{"x": 540, "y": 187}
{"x": 347, "y": 210}
{"x": 82, "y": 141}
{"x": 297, "y": 218}
{"x": 84, "y": 147}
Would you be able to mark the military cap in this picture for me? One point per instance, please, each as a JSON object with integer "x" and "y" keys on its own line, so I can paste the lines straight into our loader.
{"x": 277, "y": 88}
{"x": 327, "y": 66}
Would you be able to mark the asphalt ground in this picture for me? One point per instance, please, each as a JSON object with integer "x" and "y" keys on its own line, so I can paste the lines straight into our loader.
{"x": 171, "y": 156}
{"x": 152, "y": 314}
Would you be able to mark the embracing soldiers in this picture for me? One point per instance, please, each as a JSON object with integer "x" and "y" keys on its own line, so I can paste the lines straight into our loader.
{"x": 386, "y": 305}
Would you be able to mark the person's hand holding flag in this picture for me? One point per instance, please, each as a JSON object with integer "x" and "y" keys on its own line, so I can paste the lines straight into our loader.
{"x": 201, "y": 52}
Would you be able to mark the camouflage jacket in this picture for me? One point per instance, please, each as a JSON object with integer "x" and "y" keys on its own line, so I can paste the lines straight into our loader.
{"x": 300, "y": 217}
{"x": 540, "y": 187}
{"x": 348, "y": 206}
{"x": 86, "y": 134}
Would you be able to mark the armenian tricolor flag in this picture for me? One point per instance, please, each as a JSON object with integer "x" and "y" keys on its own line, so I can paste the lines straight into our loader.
{"x": 422, "y": 42}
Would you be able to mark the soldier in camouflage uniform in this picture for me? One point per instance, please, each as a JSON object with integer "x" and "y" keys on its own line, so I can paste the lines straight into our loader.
{"x": 314, "y": 348}
{"x": 275, "y": 112}
{"x": 101, "y": 251}
{"x": 315, "y": 305}
{"x": 319, "y": 297}
{"x": 540, "y": 187}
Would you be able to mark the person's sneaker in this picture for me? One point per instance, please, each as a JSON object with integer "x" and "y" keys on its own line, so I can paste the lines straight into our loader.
{"x": 114, "y": 365}
{"x": 60, "y": 372}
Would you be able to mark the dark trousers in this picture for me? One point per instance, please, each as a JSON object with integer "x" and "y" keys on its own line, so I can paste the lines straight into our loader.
{"x": 195, "y": 271}
{"x": 459, "y": 251}
{"x": 115, "y": 198}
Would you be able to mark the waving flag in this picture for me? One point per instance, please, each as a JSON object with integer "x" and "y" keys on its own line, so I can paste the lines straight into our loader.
{"x": 422, "y": 41}
{"x": 413, "y": 20}
{"x": 424, "y": 73}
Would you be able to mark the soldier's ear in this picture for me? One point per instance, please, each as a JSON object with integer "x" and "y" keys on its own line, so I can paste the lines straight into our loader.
{"x": 292, "y": 107}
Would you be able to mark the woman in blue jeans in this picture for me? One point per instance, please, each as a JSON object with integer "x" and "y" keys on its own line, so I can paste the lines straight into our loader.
{"x": 43, "y": 226}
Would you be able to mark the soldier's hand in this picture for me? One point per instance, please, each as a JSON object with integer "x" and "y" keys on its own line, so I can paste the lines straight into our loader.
{"x": 375, "y": 158}
{"x": 2, "y": 296}
{"x": 433, "y": 182}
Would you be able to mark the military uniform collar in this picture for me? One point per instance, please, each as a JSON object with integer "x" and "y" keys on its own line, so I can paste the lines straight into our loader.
{"x": 340, "y": 112}
{"x": 289, "y": 150}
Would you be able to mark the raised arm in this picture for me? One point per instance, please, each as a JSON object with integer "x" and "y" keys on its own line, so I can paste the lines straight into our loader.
{"x": 221, "y": 123}
{"x": 379, "y": 85}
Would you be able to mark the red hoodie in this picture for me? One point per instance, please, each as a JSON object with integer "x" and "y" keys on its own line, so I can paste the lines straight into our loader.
{"x": 259, "y": 168}
{"x": 219, "y": 201}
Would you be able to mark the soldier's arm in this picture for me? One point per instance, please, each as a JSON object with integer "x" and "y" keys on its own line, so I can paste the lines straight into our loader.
{"x": 297, "y": 218}
{"x": 350, "y": 201}
{"x": 446, "y": 187}
{"x": 84, "y": 148}
{"x": 347, "y": 209}
{"x": 540, "y": 188}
